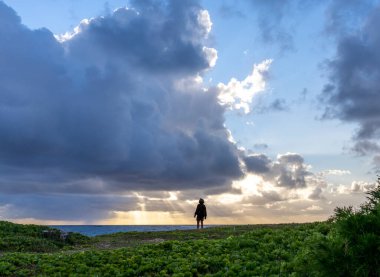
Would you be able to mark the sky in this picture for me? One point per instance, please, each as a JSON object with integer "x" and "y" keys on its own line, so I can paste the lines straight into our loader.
{"x": 128, "y": 112}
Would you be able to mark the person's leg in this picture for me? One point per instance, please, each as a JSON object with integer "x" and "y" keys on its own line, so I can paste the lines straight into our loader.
{"x": 202, "y": 223}
{"x": 197, "y": 224}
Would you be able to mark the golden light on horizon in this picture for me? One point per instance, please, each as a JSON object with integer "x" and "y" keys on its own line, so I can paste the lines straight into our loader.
{"x": 148, "y": 218}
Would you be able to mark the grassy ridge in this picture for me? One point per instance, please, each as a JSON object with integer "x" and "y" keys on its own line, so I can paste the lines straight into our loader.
{"x": 122, "y": 239}
{"x": 224, "y": 251}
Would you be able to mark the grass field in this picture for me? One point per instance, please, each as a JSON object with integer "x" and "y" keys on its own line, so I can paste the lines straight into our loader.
{"x": 249, "y": 250}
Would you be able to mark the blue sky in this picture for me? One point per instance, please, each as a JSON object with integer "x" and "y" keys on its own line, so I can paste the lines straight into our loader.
{"x": 127, "y": 118}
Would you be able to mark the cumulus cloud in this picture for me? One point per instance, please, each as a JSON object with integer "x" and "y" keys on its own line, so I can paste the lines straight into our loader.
{"x": 104, "y": 104}
{"x": 353, "y": 93}
{"x": 355, "y": 187}
{"x": 288, "y": 170}
{"x": 239, "y": 94}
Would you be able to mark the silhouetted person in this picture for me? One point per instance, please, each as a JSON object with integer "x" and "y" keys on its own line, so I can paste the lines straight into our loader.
{"x": 200, "y": 213}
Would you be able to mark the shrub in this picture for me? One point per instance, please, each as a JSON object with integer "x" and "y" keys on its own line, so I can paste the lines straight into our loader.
{"x": 352, "y": 247}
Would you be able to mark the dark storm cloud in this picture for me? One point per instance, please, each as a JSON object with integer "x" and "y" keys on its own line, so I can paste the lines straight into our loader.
{"x": 353, "y": 93}
{"x": 113, "y": 107}
{"x": 365, "y": 147}
{"x": 289, "y": 170}
{"x": 65, "y": 207}
{"x": 257, "y": 163}
{"x": 161, "y": 38}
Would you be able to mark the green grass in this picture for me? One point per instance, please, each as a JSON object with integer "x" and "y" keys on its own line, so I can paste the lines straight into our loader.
{"x": 117, "y": 240}
{"x": 29, "y": 238}
{"x": 247, "y": 250}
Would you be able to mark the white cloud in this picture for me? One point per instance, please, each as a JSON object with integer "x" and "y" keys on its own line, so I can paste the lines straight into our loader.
{"x": 355, "y": 187}
{"x": 204, "y": 20}
{"x": 211, "y": 55}
{"x": 248, "y": 185}
{"x": 313, "y": 208}
{"x": 361, "y": 186}
{"x": 227, "y": 198}
{"x": 69, "y": 35}
{"x": 239, "y": 94}
{"x": 337, "y": 172}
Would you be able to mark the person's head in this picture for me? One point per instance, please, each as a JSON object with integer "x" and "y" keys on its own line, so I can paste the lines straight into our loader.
{"x": 201, "y": 201}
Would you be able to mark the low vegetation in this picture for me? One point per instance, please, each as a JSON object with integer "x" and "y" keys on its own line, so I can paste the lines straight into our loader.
{"x": 346, "y": 245}
{"x": 352, "y": 247}
{"x": 35, "y": 238}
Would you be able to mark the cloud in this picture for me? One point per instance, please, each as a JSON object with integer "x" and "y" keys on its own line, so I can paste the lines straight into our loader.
{"x": 62, "y": 207}
{"x": 316, "y": 194}
{"x": 257, "y": 163}
{"x": 365, "y": 147}
{"x": 313, "y": 208}
{"x": 278, "y": 20}
{"x": 277, "y": 105}
{"x": 119, "y": 106}
{"x": 289, "y": 170}
{"x": 344, "y": 17}
{"x": 115, "y": 106}
{"x": 356, "y": 187}
{"x": 260, "y": 146}
{"x": 353, "y": 94}
{"x": 337, "y": 172}
{"x": 271, "y": 22}
{"x": 237, "y": 94}
{"x": 376, "y": 164}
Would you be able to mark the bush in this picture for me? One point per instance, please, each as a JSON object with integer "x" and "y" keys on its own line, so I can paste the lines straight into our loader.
{"x": 32, "y": 238}
{"x": 352, "y": 247}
